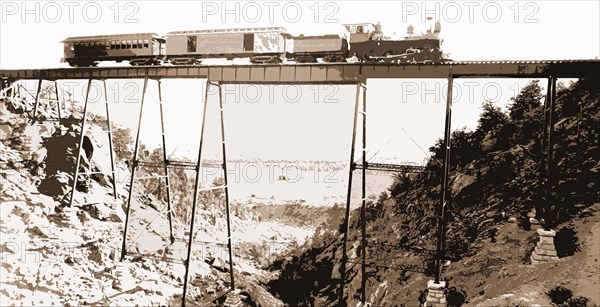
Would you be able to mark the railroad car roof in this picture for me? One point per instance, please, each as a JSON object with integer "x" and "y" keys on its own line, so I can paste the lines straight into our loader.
{"x": 234, "y": 30}
{"x": 104, "y": 37}
{"x": 359, "y": 24}
{"x": 317, "y": 36}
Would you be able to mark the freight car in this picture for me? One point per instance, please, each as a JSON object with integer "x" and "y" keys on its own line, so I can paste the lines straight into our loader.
{"x": 261, "y": 45}
{"x": 307, "y": 49}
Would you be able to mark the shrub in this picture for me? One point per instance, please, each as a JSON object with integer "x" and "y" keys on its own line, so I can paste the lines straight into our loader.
{"x": 563, "y": 297}
{"x": 566, "y": 241}
{"x": 560, "y": 295}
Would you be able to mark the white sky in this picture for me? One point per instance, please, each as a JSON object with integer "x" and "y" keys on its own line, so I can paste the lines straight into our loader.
{"x": 275, "y": 127}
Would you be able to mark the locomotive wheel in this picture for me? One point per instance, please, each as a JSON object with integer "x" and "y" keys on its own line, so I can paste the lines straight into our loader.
{"x": 83, "y": 63}
{"x": 311, "y": 59}
{"x": 334, "y": 58}
{"x": 185, "y": 61}
{"x": 265, "y": 59}
{"x": 306, "y": 59}
{"x": 138, "y": 62}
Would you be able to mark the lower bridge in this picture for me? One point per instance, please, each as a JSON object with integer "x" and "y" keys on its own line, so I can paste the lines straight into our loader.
{"x": 401, "y": 168}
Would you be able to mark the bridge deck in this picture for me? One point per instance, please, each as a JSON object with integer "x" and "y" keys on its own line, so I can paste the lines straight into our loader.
{"x": 323, "y": 73}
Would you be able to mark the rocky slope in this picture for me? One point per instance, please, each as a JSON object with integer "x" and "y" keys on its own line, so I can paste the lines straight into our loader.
{"x": 53, "y": 254}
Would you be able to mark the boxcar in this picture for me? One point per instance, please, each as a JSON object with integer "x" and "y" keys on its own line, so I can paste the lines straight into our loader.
{"x": 261, "y": 45}
{"x": 138, "y": 48}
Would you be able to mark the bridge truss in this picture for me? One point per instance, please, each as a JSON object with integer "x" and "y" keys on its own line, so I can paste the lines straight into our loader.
{"x": 355, "y": 74}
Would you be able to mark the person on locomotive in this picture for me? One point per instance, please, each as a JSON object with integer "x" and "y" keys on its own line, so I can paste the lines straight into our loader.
{"x": 377, "y": 34}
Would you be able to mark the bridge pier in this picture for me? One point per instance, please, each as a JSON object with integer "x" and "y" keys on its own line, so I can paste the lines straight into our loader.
{"x": 544, "y": 250}
{"x": 445, "y": 193}
{"x": 82, "y": 136}
{"x": 233, "y": 297}
{"x": 165, "y": 165}
{"x": 436, "y": 296}
{"x": 134, "y": 163}
{"x": 346, "y": 223}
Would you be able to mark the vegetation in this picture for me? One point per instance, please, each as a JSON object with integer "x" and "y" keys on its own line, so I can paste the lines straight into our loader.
{"x": 494, "y": 174}
{"x": 563, "y": 297}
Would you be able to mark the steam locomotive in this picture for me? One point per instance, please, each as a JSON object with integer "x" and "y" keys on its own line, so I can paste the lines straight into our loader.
{"x": 366, "y": 43}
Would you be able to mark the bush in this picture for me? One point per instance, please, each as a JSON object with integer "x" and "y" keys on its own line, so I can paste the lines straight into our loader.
{"x": 578, "y": 302}
{"x": 566, "y": 242}
{"x": 560, "y": 295}
{"x": 456, "y": 297}
{"x": 563, "y": 297}
{"x": 456, "y": 247}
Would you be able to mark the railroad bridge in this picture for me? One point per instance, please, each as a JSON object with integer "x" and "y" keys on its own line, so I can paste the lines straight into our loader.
{"x": 321, "y": 73}
{"x": 340, "y": 73}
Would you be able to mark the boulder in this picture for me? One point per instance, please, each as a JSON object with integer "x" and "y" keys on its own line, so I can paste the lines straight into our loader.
{"x": 460, "y": 182}
{"x": 103, "y": 212}
{"x": 5, "y": 131}
{"x": 56, "y": 185}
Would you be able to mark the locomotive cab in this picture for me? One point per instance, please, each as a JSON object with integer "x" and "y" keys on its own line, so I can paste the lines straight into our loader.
{"x": 360, "y": 32}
